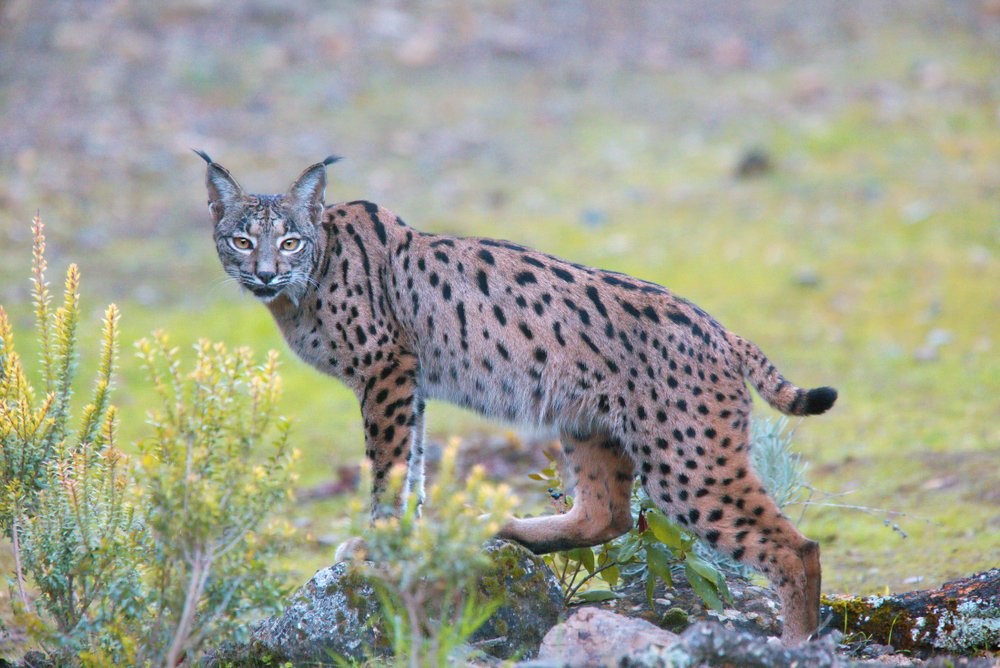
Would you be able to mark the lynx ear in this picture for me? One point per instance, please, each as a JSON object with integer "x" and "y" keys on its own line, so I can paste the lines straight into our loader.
{"x": 223, "y": 190}
{"x": 307, "y": 191}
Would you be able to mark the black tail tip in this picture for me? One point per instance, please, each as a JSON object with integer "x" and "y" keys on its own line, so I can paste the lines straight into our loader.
{"x": 819, "y": 400}
{"x": 330, "y": 159}
{"x": 204, "y": 156}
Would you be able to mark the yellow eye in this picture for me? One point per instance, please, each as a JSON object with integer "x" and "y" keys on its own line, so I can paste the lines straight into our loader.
{"x": 242, "y": 243}
{"x": 291, "y": 244}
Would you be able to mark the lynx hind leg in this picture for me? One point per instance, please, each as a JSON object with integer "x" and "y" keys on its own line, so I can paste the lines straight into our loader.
{"x": 790, "y": 561}
{"x": 601, "y": 502}
{"x": 720, "y": 498}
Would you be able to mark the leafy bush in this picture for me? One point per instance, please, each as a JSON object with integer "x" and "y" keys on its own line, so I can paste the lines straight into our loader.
{"x": 425, "y": 570}
{"x": 658, "y": 549}
{"x": 209, "y": 474}
{"x": 62, "y": 491}
{"x": 120, "y": 562}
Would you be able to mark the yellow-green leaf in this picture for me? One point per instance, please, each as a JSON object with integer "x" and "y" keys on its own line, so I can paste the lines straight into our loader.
{"x": 703, "y": 587}
{"x": 596, "y": 595}
{"x": 665, "y": 531}
{"x": 584, "y": 555}
{"x": 658, "y": 561}
{"x": 611, "y": 575}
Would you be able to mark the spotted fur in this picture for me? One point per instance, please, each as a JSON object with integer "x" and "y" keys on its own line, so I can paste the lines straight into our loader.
{"x": 637, "y": 380}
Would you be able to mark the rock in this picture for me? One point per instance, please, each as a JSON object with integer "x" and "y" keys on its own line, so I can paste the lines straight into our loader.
{"x": 336, "y": 614}
{"x": 947, "y": 661}
{"x": 533, "y": 601}
{"x": 711, "y": 644}
{"x": 753, "y": 162}
{"x": 596, "y": 637}
{"x": 333, "y": 615}
{"x": 594, "y": 217}
{"x": 807, "y": 277}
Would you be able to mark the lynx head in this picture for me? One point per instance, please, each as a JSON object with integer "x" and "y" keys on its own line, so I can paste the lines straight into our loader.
{"x": 269, "y": 243}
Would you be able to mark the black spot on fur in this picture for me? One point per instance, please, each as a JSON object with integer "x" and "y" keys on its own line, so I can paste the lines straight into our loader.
{"x": 679, "y": 318}
{"x": 562, "y": 274}
{"x": 532, "y": 261}
{"x": 525, "y": 277}
{"x": 596, "y": 299}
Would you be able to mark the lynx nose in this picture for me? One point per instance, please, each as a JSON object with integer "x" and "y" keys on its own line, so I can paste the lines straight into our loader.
{"x": 265, "y": 276}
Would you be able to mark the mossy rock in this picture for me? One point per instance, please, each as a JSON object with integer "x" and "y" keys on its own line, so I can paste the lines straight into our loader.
{"x": 336, "y": 614}
{"x": 532, "y": 604}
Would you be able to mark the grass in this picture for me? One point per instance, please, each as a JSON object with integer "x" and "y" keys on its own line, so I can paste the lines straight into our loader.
{"x": 878, "y": 227}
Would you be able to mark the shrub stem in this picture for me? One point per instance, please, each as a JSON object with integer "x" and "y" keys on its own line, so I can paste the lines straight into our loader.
{"x": 18, "y": 570}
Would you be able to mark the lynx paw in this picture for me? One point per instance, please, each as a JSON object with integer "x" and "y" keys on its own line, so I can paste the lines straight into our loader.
{"x": 352, "y": 548}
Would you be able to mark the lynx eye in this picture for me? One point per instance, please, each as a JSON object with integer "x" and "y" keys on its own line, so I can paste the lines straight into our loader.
{"x": 241, "y": 243}
{"x": 291, "y": 244}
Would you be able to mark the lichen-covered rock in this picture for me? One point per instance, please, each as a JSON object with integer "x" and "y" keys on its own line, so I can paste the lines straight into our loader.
{"x": 712, "y": 644}
{"x": 336, "y": 614}
{"x": 533, "y": 601}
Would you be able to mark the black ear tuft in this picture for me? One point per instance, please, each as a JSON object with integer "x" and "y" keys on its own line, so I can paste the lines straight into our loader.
{"x": 223, "y": 190}
{"x": 330, "y": 159}
{"x": 204, "y": 156}
{"x": 307, "y": 190}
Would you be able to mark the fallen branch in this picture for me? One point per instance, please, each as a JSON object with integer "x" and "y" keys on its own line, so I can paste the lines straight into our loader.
{"x": 962, "y": 616}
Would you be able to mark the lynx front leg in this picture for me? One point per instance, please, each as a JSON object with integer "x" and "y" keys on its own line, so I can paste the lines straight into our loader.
{"x": 601, "y": 509}
{"x": 415, "y": 472}
{"x": 393, "y": 420}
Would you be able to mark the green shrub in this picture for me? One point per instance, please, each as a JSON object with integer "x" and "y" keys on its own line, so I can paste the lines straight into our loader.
{"x": 217, "y": 461}
{"x": 781, "y": 470}
{"x": 62, "y": 490}
{"x": 425, "y": 570}
{"x": 136, "y": 563}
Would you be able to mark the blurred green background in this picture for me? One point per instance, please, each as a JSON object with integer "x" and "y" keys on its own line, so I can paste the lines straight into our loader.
{"x": 823, "y": 177}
